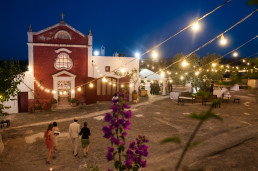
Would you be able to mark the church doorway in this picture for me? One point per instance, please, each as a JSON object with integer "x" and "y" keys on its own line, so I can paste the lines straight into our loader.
{"x": 64, "y": 92}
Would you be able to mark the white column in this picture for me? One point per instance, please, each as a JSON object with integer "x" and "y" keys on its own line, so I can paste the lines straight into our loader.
{"x": 164, "y": 87}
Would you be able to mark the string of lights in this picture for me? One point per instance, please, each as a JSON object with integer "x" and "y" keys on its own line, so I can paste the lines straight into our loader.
{"x": 212, "y": 62}
{"x": 220, "y": 35}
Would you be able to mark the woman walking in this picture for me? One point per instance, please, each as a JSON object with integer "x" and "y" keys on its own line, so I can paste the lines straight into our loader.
{"x": 55, "y": 131}
{"x": 85, "y": 132}
{"x": 49, "y": 141}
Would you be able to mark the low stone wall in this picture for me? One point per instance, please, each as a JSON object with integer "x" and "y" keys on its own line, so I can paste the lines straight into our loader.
{"x": 253, "y": 83}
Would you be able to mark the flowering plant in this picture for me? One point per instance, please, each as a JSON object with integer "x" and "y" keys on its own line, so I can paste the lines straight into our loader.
{"x": 74, "y": 101}
{"x": 53, "y": 101}
{"x": 115, "y": 131}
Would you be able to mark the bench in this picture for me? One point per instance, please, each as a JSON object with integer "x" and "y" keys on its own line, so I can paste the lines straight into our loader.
{"x": 185, "y": 96}
{"x": 226, "y": 97}
{"x": 3, "y": 122}
{"x": 236, "y": 100}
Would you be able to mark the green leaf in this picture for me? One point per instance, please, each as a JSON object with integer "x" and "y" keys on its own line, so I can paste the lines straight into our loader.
{"x": 204, "y": 116}
{"x": 171, "y": 139}
{"x": 117, "y": 164}
{"x": 193, "y": 144}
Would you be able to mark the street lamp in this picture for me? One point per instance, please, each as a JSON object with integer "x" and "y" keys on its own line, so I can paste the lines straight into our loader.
{"x": 96, "y": 53}
{"x": 137, "y": 55}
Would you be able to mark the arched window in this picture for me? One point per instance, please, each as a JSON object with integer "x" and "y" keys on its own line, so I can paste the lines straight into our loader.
{"x": 62, "y": 34}
{"x": 63, "y": 62}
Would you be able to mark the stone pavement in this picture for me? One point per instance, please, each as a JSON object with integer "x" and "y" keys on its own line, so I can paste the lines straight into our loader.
{"x": 230, "y": 144}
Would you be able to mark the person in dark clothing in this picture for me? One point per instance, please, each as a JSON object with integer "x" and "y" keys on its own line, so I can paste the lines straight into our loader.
{"x": 211, "y": 88}
{"x": 85, "y": 132}
{"x": 170, "y": 86}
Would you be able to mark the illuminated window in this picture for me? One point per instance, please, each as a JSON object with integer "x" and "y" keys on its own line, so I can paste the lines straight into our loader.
{"x": 63, "y": 62}
{"x": 62, "y": 34}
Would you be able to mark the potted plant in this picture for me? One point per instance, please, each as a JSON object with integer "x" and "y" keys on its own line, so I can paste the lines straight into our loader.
{"x": 53, "y": 103}
{"x": 74, "y": 102}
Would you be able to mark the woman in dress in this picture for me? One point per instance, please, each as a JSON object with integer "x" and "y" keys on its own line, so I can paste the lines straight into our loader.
{"x": 49, "y": 141}
{"x": 85, "y": 132}
{"x": 55, "y": 131}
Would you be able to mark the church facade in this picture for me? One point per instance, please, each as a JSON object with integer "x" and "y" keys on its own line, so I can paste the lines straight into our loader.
{"x": 62, "y": 67}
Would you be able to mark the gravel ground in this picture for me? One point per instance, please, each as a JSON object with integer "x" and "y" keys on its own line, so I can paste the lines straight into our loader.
{"x": 230, "y": 144}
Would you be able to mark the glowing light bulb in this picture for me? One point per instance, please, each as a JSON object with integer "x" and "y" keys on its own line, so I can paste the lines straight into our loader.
{"x": 162, "y": 74}
{"x": 104, "y": 79}
{"x": 154, "y": 55}
{"x": 79, "y": 88}
{"x": 72, "y": 91}
{"x": 96, "y": 53}
{"x": 91, "y": 85}
{"x": 54, "y": 92}
{"x": 170, "y": 81}
{"x": 214, "y": 64}
{"x": 61, "y": 93}
{"x": 184, "y": 63}
{"x": 235, "y": 54}
{"x": 223, "y": 40}
{"x": 197, "y": 73}
{"x": 114, "y": 85}
{"x": 131, "y": 85}
{"x": 181, "y": 77}
{"x": 122, "y": 85}
{"x": 196, "y": 26}
{"x": 65, "y": 92}
{"x": 137, "y": 55}
{"x": 244, "y": 61}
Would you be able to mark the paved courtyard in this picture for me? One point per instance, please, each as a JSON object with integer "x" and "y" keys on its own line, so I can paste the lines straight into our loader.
{"x": 231, "y": 144}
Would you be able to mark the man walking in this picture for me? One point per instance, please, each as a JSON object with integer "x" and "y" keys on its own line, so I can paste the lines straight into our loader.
{"x": 74, "y": 130}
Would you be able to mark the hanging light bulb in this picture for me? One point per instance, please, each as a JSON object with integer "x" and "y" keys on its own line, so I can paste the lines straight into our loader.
{"x": 197, "y": 73}
{"x": 182, "y": 77}
{"x": 131, "y": 85}
{"x": 154, "y": 54}
{"x": 223, "y": 40}
{"x": 91, "y": 85}
{"x": 244, "y": 61}
{"x": 235, "y": 54}
{"x": 79, "y": 88}
{"x": 170, "y": 81}
{"x": 196, "y": 26}
{"x": 114, "y": 85}
{"x": 65, "y": 92}
{"x": 122, "y": 70}
{"x": 72, "y": 91}
{"x": 60, "y": 92}
{"x": 162, "y": 74}
{"x": 184, "y": 63}
{"x": 214, "y": 64}
{"x": 54, "y": 92}
{"x": 122, "y": 85}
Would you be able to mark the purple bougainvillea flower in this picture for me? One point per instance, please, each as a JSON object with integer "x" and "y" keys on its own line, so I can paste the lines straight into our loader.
{"x": 128, "y": 164}
{"x": 129, "y": 152}
{"x": 108, "y": 117}
{"x": 126, "y": 106}
{"x": 121, "y": 121}
{"x": 109, "y": 156}
{"x": 143, "y": 163}
{"x": 132, "y": 145}
{"x": 107, "y": 131}
{"x": 115, "y": 141}
{"x": 126, "y": 125}
{"x": 115, "y": 108}
{"x": 116, "y": 125}
{"x": 124, "y": 134}
{"x": 110, "y": 149}
{"x": 128, "y": 114}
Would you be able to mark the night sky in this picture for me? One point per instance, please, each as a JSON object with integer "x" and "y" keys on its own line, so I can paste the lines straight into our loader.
{"x": 131, "y": 25}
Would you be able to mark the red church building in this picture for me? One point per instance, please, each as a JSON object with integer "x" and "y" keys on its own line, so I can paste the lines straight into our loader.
{"x": 61, "y": 66}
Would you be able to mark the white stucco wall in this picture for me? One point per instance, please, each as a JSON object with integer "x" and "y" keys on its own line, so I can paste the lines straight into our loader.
{"x": 128, "y": 63}
{"x": 28, "y": 80}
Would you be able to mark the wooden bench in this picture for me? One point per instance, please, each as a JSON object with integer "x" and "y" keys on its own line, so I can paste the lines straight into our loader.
{"x": 185, "y": 96}
{"x": 236, "y": 100}
{"x": 3, "y": 122}
{"x": 226, "y": 97}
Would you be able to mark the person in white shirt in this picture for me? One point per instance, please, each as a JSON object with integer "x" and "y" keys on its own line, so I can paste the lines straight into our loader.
{"x": 74, "y": 130}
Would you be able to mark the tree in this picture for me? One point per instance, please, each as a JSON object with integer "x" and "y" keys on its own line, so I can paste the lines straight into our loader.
{"x": 11, "y": 76}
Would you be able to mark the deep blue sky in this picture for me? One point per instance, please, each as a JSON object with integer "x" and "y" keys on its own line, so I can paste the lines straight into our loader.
{"x": 131, "y": 25}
